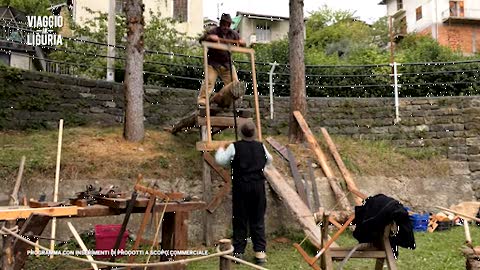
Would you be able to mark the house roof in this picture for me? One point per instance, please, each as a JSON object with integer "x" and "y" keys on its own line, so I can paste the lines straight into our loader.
{"x": 261, "y": 16}
{"x": 10, "y": 13}
{"x": 383, "y": 2}
{"x": 236, "y": 21}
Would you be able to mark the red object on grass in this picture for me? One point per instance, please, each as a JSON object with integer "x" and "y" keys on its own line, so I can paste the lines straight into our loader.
{"x": 106, "y": 235}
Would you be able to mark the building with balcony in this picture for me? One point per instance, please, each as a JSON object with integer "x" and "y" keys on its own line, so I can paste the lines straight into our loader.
{"x": 453, "y": 23}
{"x": 257, "y": 28}
{"x": 188, "y": 13}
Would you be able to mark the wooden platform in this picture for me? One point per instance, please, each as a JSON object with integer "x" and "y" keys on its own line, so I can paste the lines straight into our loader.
{"x": 241, "y": 112}
{"x": 23, "y": 212}
{"x": 211, "y": 146}
{"x": 222, "y": 121}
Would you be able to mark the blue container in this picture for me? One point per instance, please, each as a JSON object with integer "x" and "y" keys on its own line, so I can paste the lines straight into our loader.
{"x": 420, "y": 222}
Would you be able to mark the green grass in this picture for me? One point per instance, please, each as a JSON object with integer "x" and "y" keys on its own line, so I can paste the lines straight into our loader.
{"x": 435, "y": 251}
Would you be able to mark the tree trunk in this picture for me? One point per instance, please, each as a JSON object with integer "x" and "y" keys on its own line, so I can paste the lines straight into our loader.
{"x": 134, "y": 128}
{"x": 297, "y": 69}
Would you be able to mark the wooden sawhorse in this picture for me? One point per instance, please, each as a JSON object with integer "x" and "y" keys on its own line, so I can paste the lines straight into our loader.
{"x": 381, "y": 254}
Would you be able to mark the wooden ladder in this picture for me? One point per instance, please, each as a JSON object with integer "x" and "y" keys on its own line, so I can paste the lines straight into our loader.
{"x": 206, "y": 120}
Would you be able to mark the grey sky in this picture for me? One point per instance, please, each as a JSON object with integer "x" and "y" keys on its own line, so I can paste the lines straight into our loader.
{"x": 367, "y": 10}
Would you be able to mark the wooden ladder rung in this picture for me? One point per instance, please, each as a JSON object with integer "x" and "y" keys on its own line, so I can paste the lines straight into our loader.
{"x": 222, "y": 121}
{"x": 211, "y": 146}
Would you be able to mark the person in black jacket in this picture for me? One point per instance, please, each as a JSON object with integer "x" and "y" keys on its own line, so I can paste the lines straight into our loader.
{"x": 219, "y": 64}
{"x": 248, "y": 159}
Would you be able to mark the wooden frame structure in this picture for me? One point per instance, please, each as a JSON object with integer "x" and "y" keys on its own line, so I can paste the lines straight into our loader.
{"x": 207, "y": 144}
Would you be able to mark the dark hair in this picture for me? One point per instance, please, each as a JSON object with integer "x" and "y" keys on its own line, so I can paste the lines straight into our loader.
{"x": 248, "y": 130}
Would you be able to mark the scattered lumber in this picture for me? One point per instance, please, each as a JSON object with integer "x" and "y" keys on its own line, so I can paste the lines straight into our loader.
{"x": 296, "y": 206}
{"x": 352, "y": 187}
{"x": 339, "y": 194}
{"x": 22, "y": 212}
{"x": 282, "y": 150}
{"x": 297, "y": 178}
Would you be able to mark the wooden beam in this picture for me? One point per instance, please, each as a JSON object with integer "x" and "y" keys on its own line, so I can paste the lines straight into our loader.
{"x": 82, "y": 244}
{"x": 222, "y": 121}
{"x": 211, "y": 146}
{"x": 296, "y": 206}
{"x": 34, "y": 225}
{"x": 351, "y": 185}
{"x": 185, "y": 122}
{"x": 207, "y": 183}
{"x": 297, "y": 179}
{"x": 315, "y": 147}
{"x": 217, "y": 199}
{"x": 25, "y": 212}
{"x": 316, "y": 196}
{"x": 281, "y": 149}
{"x": 225, "y": 47}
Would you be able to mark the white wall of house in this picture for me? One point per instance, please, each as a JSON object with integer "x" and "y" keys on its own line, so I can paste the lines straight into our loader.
{"x": 276, "y": 30}
{"x": 433, "y": 12}
{"x": 192, "y": 27}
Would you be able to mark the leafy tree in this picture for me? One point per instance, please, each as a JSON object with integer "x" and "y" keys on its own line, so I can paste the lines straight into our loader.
{"x": 33, "y": 8}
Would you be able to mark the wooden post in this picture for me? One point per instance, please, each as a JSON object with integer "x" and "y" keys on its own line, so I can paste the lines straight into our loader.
{"x": 343, "y": 169}
{"x": 82, "y": 244}
{"x": 339, "y": 194}
{"x": 207, "y": 194}
{"x": 225, "y": 264}
{"x": 255, "y": 95}
{"x": 146, "y": 218}
{"x": 57, "y": 179}
{"x": 207, "y": 96}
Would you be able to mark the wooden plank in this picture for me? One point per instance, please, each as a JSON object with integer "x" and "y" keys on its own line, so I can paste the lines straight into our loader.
{"x": 102, "y": 210}
{"x": 339, "y": 194}
{"x": 225, "y": 47}
{"x": 222, "y": 121}
{"x": 82, "y": 244}
{"x": 296, "y": 206}
{"x": 241, "y": 112}
{"x": 351, "y": 185}
{"x": 307, "y": 192}
{"x": 313, "y": 144}
{"x": 34, "y": 225}
{"x": 211, "y": 146}
{"x": 255, "y": 95}
{"x": 207, "y": 190}
{"x": 281, "y": 149}
{"x": 184, "y": 123}
{"x": 217, "y": 199}
{"x": 23, "y": 213}
{"x": 37, "y": 204}
{"x": 221, "y": 171}
{"x": 339, "y": 255}
{"x": 297, "y": 178}
{"x": 316, "y": 196}
{"x": 57, "y": 180}
{"x": 146, "y": 218}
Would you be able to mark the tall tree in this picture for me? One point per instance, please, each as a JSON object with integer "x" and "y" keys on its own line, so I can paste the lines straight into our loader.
{"x": 133, "y": 127}
{"x": 298, "y": 100}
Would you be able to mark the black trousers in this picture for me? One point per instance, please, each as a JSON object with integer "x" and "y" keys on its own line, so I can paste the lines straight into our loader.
{"x": 249, "y": 204}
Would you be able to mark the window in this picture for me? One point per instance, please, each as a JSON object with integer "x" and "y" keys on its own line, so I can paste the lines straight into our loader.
{"x": 180, "y": 10}
{"x": 119, "y": 5}
{"x": 263, "y": 32}
{"x": 418, "y": 11}
{"x": 457, "y": 9}
{"x": 399, "y": 4}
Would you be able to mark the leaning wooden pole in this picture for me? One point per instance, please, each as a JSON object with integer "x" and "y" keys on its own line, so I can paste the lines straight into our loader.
{"x": 315, "y": 147}
{"x": 57, "y": 179}
{"x": 352, "y": 187}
